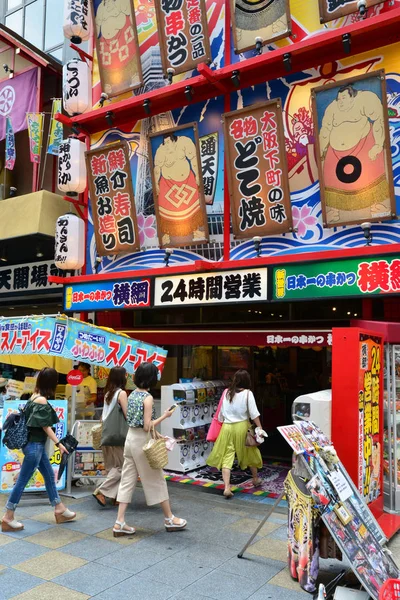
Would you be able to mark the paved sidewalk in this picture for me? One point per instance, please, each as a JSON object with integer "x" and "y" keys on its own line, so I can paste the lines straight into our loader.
{"x": 81, "y": 560}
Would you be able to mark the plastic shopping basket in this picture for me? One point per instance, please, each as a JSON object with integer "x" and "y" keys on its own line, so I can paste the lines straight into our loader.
{"x": 390, "y": 590}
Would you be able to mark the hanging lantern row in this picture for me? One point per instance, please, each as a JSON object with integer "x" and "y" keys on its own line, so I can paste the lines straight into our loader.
{"x": 71, "y": 167}
{"x": 69, "y": 251}
{"x": 77, "y": 20}
{"x": 77, "y": 92}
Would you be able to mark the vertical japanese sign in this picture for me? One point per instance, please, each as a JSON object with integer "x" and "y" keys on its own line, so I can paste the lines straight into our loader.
{"x": 112, "y": 199}
{"x": 11, "y": 460}
{"x": 335, "y": 9}
{"x": 370, "y": 426}
{"x": 265, "y": 19}
{"x": 56, "y": 129}
{"x": 353, "y": 150}
{"x": 10, "y": 145}
{"x": 178, "y": 186}
{"x": 257, "y": 171}
{"x": 183, "y": 34}
{"x": 209, "y": 165}
{"x": 35, "y": 131}
{"x": 117, "y": 46}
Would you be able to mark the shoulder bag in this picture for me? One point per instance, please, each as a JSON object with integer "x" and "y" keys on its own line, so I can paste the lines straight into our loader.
{"x": 15, "y": 430}
{"x": 216, "y": 425}
{"x": 115, "y": 428}
{"x": 251, "y": 439}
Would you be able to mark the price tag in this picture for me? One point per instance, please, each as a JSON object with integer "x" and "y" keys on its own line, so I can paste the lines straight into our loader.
{"x": 340, "y": 484}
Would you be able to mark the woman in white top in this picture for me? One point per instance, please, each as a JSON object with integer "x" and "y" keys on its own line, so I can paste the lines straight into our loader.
{"x": 238, "y": 407}
{"x": 114, "y": 393}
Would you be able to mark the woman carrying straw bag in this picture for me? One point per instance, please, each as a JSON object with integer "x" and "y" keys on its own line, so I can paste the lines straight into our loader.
{"x": 140, "y": 416}
{"x": 238, "y": 407}
{"x": 115, "y": 400}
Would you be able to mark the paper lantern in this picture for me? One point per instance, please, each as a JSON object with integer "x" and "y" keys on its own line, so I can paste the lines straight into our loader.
{"x": 71, "y": 167}
{"x": 77, "y": 20}
{"x": 69, "y": 251}
{"x": 77, "y": 92}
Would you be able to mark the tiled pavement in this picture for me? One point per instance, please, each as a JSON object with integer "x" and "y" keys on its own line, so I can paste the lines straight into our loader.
{"x": 81, "y": 560}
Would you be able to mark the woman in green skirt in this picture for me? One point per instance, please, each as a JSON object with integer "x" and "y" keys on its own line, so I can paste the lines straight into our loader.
{"x": 238, "y": 407}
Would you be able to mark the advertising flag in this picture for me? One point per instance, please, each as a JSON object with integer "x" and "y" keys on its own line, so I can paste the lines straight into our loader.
{"x": 56, "y": 129}
{"x": 35, "y": 130}
{"x": 10, "y": 145}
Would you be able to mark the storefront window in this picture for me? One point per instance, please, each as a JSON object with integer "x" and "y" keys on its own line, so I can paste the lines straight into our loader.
{"x": 232, "y": 358}
{"x": 197, "y": 361}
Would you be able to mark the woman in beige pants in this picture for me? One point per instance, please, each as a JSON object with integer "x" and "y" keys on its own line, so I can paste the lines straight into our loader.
{"x": 114, "y": 393}
{"x": 140, "y": 415}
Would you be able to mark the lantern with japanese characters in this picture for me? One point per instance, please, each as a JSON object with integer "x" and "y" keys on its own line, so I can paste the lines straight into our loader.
{"x": 77, "y": 20}
{"x": 77, "y": 93}
{"x": 69, "y": 252}
{"x": 71, "y": 167}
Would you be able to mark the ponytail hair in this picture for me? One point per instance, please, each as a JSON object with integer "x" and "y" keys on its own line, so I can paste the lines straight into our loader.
{"x": 241, "y": 380}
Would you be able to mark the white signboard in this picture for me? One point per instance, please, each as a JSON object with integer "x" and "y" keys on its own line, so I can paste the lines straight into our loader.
{"x": 228, "y": 287}
{"x": 28, "y": 278}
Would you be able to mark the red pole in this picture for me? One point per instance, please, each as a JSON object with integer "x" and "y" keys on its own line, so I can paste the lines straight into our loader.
{"x": 227, "y": 108}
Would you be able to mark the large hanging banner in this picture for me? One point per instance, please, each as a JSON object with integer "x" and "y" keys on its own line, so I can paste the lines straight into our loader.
{"x": 257, "y": 171}
{"x": 17, "y": 98}
{"x": 11, "y": 460}
{"x": 335, "y": 9}
{"x": 10, "y": 146}
{"x": 183, "y": 34}
{"x": 56, "y": 133}
{"x": 35, "y": 131}
{"x": 353, "y": 150}
{"x": 178, "y": 186}
{"x": 209, "y": 165}
{"x": 117, "y": 46}
{"x": 268, "y": 20}
{"x": 369, "y": 407}
{"x": 68, "y": 338}
{"x": 112, "y": 199}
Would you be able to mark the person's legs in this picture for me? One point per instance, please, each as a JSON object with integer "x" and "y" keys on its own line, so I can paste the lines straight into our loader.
{"x": 228, "y": 460}
{"x": 113, "y": 460}
{"x": 254, "y": 474}
{"x": 33, "y": 453}
{"x": 127, "y": 486}
{"x": 47, "y": 473}
{"x": 226, "y": 476}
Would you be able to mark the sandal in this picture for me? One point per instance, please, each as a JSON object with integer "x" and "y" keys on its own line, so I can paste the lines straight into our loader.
{"x": 7, "y": 526}
{"x": 64, "y": 517}
{"x": 124, "y": 529}
{"x": 101, "y": 499}
{"x": 171, "y": 526}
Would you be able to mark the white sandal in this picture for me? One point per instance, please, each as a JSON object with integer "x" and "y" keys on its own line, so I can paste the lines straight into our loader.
{"x": 121, "y": 532}
{"x": 65, "y": 517}
{"x": 7, "y": 526}
{"x": 171, "y": 526}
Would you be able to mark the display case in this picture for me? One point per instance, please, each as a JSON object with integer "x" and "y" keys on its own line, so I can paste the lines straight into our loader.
{"x": 391, "y": 434}
{"x": 197, "y": 402}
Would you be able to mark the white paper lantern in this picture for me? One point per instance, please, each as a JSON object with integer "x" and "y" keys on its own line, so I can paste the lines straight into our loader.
{"x": 71, "y": 166}
{"x": 77, "y": 92}
{"x": 69, "y": 251}
{"x": 77, "y": 20}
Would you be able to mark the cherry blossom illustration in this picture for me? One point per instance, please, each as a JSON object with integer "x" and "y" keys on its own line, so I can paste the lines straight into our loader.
{"x": 303, "y": 220}
{"x": 147, "y": 227}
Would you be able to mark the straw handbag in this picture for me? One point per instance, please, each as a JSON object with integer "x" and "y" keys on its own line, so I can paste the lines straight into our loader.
{"x": 155, "y": 450}
{"x": 97, "y": 432}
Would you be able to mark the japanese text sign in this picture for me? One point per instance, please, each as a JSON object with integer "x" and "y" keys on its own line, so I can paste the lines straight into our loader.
{"x": 11, "y": 460}
{"x": 106, "y": 295}
{"x": 258, "y": 180}
{"x": 354, "y": 277}
{"x": 10, "y": 145}
{"x": 183, "y": 34}
{"x": 369, "y": 403}
{"x": 78, "y": 341}
{"x": 335, "y": 9}
{"x": 223, "y": 287}
{"x": 32, "y": 277}
{"x": 35, "y": 131}
{"x": 112, "y": 199}
{"x": 209, "y": 165}
{"x": 56, "y": 129}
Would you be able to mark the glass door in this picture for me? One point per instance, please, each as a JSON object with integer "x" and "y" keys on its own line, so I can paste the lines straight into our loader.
{"x": 391, "y": 433}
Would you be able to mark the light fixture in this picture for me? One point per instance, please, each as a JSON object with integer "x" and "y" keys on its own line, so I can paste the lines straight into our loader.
{"x": 7, "y": 69}
{"x": 257, "y": 244}
{"x": 77, "y": 87}
{"x": 189, "y": 93}
{"x": 272, "y": 314}
{"x": 110, "y": 118}
{"x": 356, "y": 314}
{"x": 235, "y": 78}
{"x": 333, "y": 308}
{"x": 167, "y": 255}
{"x": 147, "y": 106}
{"x": 362, "y": 7}
{"x": 259, "y": 42}
{"x": 13, "y": 192}
{"x": 348, "y": 312}
{"x": 287, "y": 61}
{"x": 103, "y": 98}
{"x": 39, "y": 253}
{"x": 280, "y": 316}
{"x": 366, "y": 227}
{"x": 346, "y": 39}
{"x": 3, "y": 255}
{"x": 170, "y": 74}
{"x": 75, "y": 129}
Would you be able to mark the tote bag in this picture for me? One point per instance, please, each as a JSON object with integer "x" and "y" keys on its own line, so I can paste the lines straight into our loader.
{"x": 115, "y": 428}
{"x": 216, "y": 425}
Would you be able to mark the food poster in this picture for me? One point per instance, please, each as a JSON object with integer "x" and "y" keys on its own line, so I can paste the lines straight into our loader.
{"x": 11, "y": 460}
{"x": 89, "y": 463}
{"x": 370, "y": 425}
